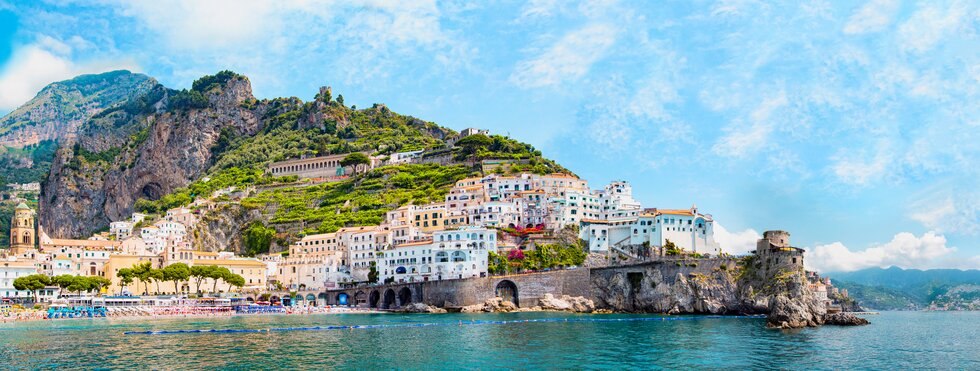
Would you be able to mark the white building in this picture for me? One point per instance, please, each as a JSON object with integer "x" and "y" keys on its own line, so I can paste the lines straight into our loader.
{"x": 687, "y": 229}
{"x": 121, "y": 229}
{"x": 450, "y": 254}
{"x": 405, "y": 157}
{"x": 10, "y": 270}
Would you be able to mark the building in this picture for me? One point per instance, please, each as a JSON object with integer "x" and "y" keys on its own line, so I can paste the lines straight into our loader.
{"x": 10, "y": 270}
{"x": 687, "y": 229}
{"x": 405, "y": 157}
{"x": 315, "y": 167}
{"x": 23, "y": 231}
{"x": 449, "y": 254}
{"x": 121, "y": 229}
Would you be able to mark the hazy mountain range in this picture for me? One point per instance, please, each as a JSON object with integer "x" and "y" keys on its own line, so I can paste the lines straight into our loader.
{"x": 897, "y": 288}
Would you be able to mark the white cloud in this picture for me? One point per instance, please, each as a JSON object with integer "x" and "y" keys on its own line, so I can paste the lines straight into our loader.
{"x": 948, "y": 209}
{"x": 540, "y": 9}
{"x": 190, "y": 24}
{"x": 872, "y": 17}
{"x": 904, "y": 250}
{"x": 736, "y": 242}
{"x": 859, "y": 167}
{"x": 740, "y": 140}
{"x": 34, "y": 66}
{"x": 568, "y": 59}
{"x": 930, "y": 24}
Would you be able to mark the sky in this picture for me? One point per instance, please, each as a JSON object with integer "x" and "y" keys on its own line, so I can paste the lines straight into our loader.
{"x": 855, "y": 125}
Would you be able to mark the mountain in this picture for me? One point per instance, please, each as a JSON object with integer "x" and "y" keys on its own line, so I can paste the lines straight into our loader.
{"x": 158, "y": 148}
{"x": 29, "y": 134}
{"x": 897, "y": 288}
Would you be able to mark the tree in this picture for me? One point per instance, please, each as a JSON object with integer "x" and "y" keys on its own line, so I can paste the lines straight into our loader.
{"x": 156, "y": 275}
{"x": 125, "y": 277}
{"x": 199, "y": 273}
{"x": 373, "y": 273}
{"x": 98, "y": 283}
{"x": 32, "y": 283}
{"x": 218, "y": 273}
{"x": 176, "y": 272}
{"x": 235, "y": 280}
{"x": 79, "y": 284}
{"x": 340, "y": 99}
{"x": 257, "y": 238}
{"x": 354, "y": 160}
{"x": 63, "y": 281}
{"x": 141, "y": 271}
{"x": 472, "y": 144}
{"x": 671, "y": 249}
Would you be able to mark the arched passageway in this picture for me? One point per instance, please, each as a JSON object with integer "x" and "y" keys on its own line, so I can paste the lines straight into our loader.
{"x": 321, "y": 299}
{"x": 311, "y": 300}
{"x": 374, "y": 299}
{"x": 360, "y": 298}
{"x": 342, "y": 299}
{"x": 389, "y": 299}
{"x": 507, "y": 290}
{"x": 404, "y": 296}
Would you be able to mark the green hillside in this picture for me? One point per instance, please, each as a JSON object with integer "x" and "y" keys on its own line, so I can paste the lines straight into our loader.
{"x": 896, "y": 288}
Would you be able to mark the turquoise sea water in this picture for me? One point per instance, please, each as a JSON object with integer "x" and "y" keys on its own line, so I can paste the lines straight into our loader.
{"x": 894, "y": 340}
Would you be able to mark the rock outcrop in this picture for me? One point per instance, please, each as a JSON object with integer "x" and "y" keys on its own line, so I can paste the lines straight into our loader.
{"x": 844, "y": 319}
{"x": 566, "y": 303}
{"x": 673, "y": 287}
{"x": 82, "y": 197}
{"x": 710, "y": 286}
{"x": 493, "y": 305}
{"x": 421, "y": 308}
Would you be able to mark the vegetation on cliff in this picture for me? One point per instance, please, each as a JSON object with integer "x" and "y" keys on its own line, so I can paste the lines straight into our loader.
{"x": 30, "y": 134}
{"x": 158, "y": 148}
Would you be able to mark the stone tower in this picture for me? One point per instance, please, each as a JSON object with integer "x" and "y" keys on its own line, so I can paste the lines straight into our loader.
{"x": 22, "y": 229}
{"x": 776, "y": 255}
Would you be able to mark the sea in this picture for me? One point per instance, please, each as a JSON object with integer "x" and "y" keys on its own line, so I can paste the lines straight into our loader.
{"x": 893, "y": 340}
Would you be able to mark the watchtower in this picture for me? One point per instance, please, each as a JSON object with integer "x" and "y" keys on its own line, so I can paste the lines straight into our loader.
{"x": 776, "y": 254}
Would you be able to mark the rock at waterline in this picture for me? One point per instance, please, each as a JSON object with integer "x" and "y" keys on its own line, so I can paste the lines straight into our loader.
{"x": 567, "y": 303}
{"x": 844, "y": 319}
{"x": 421, "y": 308}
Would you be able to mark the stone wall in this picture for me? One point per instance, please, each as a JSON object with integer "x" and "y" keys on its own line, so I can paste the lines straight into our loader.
{"x": 669, "y": 286}
{"x": 461, "y": 292}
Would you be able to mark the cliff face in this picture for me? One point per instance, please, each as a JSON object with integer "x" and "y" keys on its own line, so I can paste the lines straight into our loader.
{"x": 59, "y": 110}
{"x": 169, "y": 150}
{"x": 707, "y": 286}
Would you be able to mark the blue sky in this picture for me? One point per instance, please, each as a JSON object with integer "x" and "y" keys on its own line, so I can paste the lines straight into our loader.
{"x": 854, "y": 125}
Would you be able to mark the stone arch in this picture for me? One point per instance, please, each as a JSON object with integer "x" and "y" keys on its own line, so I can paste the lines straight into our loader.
{"x": 311, "y": 300}
{"x": 360, "y": 298}
{"x": 274, "y": 299}
{"x": 342, "y": 299}
{"x": 375, "y": 299}
{"x": 388, "y": 301}
{"x": 322, "y": 298}
{"x": 404, "y": 296}
{"x": 507, "y": 290}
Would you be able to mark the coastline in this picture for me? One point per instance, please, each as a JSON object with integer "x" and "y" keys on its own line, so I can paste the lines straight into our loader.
{"x": 41, "y": 316}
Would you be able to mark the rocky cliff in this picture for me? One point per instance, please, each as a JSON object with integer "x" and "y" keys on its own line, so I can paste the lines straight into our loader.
{"x": 708, "y": 286}
{"x": 60, "y": 109}
{"x": 100, "y": 178}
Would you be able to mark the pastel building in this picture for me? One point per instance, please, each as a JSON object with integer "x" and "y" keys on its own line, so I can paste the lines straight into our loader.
{"x": 449, "y": 254}
{"x": 10, "y": 270}
{"x": 686, "y": 229}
